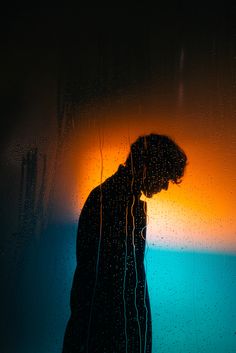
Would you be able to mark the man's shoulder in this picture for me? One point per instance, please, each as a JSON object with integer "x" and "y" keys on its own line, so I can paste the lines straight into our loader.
{"x": 101, "y": 189}
{"x": 93, "y": 197}
{"x": 96, "y": 194}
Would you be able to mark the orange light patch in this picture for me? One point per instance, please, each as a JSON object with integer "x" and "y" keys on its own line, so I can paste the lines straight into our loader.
{"x": 199, "y": 213}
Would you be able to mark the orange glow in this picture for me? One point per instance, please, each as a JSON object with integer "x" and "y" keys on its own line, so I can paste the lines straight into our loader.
{"x": 197, "y": 214}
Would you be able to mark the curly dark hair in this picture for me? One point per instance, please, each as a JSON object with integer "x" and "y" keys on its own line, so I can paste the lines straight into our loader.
{"x": 157, "y": 152}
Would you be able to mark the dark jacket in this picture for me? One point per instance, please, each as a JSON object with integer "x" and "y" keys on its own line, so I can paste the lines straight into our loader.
{"x": 110, "y": 310}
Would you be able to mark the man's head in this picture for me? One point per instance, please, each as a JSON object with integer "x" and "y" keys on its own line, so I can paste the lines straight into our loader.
{"x": 154, "y": 161}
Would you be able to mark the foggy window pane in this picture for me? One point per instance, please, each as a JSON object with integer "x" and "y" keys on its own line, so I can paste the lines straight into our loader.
{"x": 78, "y": 88}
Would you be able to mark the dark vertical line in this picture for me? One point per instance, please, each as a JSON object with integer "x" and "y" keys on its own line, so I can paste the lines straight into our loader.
{"x": 21, "y": 196}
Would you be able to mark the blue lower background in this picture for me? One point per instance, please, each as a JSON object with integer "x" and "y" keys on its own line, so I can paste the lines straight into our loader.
{"x": 193, "y": 301}
{"x": 192, "y": 297}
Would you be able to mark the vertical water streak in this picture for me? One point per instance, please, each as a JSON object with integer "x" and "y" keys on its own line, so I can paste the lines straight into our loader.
{"x": 145, "y": 284}
{"x": 134, "y": 253}
{"x": 136, "y": 274}
{"x": 124, "y": 282}
{"x": 144, "y": 238}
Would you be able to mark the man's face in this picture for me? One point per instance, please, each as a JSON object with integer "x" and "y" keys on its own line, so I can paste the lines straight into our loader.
{"x": 154, "y": 181}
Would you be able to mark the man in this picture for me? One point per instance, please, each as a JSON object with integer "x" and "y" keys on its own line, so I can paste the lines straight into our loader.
{"x": 110, "y": 309}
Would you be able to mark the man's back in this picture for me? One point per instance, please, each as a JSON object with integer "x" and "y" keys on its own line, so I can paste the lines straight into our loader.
{"x": 110, "y": 309}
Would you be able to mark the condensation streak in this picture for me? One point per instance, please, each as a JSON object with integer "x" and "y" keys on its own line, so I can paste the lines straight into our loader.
{"x": 124, "y": 283}
{"x": 99, "y": 243}
{"x": 134, "y": 255}
{"x": 145, "y": 285}
{"x": 136, "y": 274}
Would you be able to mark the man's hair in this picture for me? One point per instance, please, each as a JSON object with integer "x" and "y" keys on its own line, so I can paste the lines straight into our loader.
{"x": 159, "y": 152}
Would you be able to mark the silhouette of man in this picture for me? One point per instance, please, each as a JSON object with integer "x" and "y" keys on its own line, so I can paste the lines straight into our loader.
{"x": 110, "y": 309}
